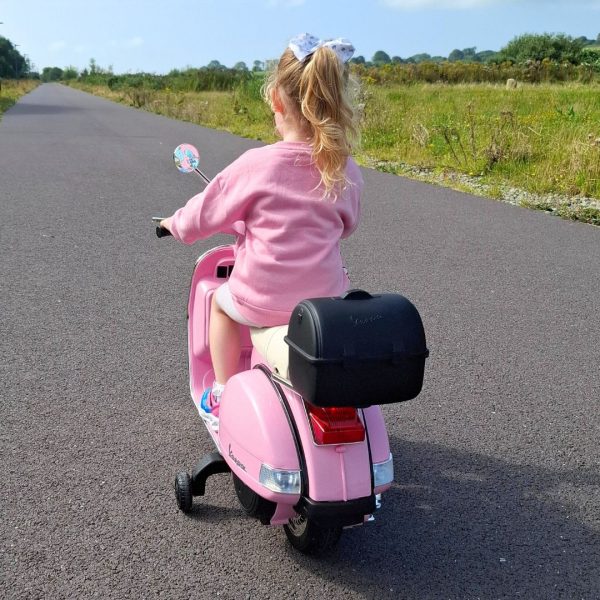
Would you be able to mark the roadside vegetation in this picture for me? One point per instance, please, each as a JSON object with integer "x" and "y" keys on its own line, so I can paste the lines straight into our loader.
{"x": 521, "y": 124}
{"x": 12, "y": 90}
{"x": 483, "y": 138}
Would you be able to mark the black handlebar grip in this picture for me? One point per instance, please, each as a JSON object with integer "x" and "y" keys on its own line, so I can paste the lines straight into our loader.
{"x": 162, "y": 231}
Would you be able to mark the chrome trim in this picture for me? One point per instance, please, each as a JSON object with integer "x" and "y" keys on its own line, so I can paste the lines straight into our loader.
{"x": 384, "y": 465}
{"x": 214, "y": 249}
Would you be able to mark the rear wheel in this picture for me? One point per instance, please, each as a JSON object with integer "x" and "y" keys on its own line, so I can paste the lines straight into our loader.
{"x": 309, "y": 538}
{"x": 253, "y": 504}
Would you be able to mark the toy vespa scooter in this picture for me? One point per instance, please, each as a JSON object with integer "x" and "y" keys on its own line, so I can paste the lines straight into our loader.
{"x": 300, "y": 427}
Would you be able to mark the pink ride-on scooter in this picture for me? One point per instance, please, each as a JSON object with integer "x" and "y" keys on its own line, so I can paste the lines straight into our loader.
{"x": 300, "y": 427}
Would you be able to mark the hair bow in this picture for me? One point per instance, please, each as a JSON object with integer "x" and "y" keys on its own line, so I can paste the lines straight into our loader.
{"x": 304, "y": 45}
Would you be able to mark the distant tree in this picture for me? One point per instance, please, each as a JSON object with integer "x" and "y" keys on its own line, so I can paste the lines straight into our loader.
{"x": 556, "y": 47}
{"x": 469, "y": 53}
{"x": 215, "y": 65}
{"x": 12, "y": 63}
{"x": 585, "y": 41}
{"x": 381, "y": 58}
{"x": 93, "y": 66}
{"x": 397, "y": 60}
{"x": 358, "y": 60}
{"x": 485, "y": 56}
{"x": 52, "y": 74}
{"x": 419, "y": 58}
{"x": 240, "y": 66}
{"x": 70, "y": 72}
{"x": 598, "y": 40}
{"x": 258, "y": 65}
{"x": 455, "y": 55}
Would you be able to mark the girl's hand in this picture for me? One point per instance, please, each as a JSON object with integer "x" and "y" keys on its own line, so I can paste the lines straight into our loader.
{"x": 166, "y": 224}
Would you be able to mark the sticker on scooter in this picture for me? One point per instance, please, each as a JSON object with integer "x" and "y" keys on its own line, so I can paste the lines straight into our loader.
{"x": 236, "y": 460}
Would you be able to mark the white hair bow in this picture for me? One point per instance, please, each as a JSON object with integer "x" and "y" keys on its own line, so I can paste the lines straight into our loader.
{"x": 304, "y": 45}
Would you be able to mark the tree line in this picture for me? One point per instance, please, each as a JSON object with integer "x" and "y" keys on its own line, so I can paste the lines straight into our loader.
{"x": 523, "y": 49}
{"x": 559, "y": 48}
{"x": 13, "y": 65}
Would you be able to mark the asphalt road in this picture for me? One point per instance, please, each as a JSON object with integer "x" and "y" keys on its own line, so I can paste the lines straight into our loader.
{"x": 497, "y": 462}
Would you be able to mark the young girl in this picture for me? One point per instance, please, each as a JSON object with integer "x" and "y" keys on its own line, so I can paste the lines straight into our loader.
{"x": 296, "y": 199}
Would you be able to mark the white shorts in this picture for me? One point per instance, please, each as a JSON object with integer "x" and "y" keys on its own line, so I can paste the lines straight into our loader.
{"x": 225, "y": 301}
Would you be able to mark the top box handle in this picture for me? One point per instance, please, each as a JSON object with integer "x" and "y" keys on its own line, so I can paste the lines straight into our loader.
{"x": 356, "y": 294}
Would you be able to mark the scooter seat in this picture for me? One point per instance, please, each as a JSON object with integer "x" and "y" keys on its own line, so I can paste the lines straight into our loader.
{"x": 269, "y": 343}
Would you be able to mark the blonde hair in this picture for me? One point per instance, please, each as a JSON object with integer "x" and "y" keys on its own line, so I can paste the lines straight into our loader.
{"x": 317, "y": 88}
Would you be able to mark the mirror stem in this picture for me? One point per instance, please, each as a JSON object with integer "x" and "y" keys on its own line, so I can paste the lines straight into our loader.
{"x": 206, "y": 179}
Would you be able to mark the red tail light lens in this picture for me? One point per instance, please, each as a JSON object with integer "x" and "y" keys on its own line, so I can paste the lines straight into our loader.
{"x": 335, "y": 425}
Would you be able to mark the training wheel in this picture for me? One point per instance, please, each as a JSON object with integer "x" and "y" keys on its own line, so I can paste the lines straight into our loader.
{"x": 183, "y": 491}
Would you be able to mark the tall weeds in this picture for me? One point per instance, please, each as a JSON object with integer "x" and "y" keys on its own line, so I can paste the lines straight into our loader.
{"x": 542, "y": 138}
{"x": 11, "y": 90}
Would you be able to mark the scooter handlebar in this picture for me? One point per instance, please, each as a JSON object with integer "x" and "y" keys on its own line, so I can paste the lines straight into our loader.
{"x": 160, "y": 231}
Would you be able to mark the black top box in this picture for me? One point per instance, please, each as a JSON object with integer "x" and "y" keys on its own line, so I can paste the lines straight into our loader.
{"x": 356, "y": 350}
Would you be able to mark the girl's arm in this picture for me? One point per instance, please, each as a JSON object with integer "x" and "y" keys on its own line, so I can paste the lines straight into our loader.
{"x": 215, "y": 210}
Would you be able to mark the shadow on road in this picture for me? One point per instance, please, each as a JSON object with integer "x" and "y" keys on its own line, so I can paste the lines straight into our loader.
{"x": 28, "y": 108}
{"x": 461, "y": 525}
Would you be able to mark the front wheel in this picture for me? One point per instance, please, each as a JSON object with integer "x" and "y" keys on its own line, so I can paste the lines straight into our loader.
{"x": 309, "y": 538}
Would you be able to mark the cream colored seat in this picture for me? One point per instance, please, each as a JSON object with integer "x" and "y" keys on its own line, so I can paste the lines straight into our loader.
{"x": 269, "y": 343}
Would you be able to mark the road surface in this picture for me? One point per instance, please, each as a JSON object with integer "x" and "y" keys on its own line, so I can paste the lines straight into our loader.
{"x": 497, "y": 462}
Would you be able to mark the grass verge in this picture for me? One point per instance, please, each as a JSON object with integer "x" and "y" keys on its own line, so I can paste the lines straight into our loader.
{"x": 11, "y": 90}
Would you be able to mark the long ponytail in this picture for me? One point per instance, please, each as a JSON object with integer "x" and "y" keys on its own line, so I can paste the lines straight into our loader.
{"x": 318, "y": 90}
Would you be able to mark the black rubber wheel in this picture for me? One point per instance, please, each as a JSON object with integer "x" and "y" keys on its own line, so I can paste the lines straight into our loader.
{"x": 253, "y": 504}
{"x": 309, "y": 538}
{"x": 183, "y": 491}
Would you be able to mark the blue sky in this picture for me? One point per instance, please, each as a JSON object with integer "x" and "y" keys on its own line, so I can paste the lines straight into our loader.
{"x": 159, "y": 35}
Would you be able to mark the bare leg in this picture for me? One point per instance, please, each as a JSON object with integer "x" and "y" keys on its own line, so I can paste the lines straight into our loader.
{"x": 224, "y": 342}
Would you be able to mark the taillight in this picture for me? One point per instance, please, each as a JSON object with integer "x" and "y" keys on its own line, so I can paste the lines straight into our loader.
{"x": 335, "y": 425}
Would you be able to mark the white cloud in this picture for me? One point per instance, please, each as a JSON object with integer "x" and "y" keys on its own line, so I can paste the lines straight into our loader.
{"x": 57, "y": 46}
{"x": 466, "y": 4}
{"x": 418, "y": 4}
{"x": 134, "y": 42}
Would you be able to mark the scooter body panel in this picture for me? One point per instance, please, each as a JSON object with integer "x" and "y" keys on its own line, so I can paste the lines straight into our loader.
{"x": 212, "y": 270}
{"x": 254, "y": 427}
{"x": 254, "y": 430}
{"x": 378, "y": 438}
{"x": 338, "y": 472}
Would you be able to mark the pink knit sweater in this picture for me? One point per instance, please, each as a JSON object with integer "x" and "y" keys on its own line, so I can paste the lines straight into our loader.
{"x": 290, "y": 249}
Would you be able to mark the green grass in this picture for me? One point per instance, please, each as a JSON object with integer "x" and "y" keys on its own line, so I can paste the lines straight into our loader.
{"x": 12, "y": 90}
{"x": 544, "y": 139}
